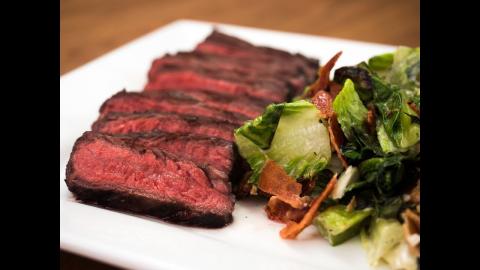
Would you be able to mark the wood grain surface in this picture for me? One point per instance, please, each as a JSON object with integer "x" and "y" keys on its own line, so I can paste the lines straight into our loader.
{"x": 91, "y": 28}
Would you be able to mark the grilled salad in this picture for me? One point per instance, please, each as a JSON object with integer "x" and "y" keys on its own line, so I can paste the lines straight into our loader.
{"x": 345, "y": 157}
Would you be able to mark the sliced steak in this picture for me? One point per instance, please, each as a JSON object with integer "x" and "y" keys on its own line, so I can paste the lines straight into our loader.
{"x": 251, "y": 67}
{"x": 268, "y": 82}
{"x": 222, "y": 44}
{"x": 190, "y": 79}
{"x": 126, "y": 175}
{"x": 168, "y": 151}
{"x": 248, "y": 107}
{"x": 125, "y": 123}
{"x": 135, "y": 102}
{"x": 215, "y": 156}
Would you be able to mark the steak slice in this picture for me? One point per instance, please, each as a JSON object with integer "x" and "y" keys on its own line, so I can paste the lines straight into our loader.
{"x": 190, "y": 79}
{"x": 248, "y": 107}
{"x": 125, "y": 123}
{"x": 222, "y": 44}
{"x": 266, "y": 82}
{"x": 214, "y": 156}
{"x": 252, "y": 67}
{"x": 135, "y": 102}
{"x": 126, "y": 175}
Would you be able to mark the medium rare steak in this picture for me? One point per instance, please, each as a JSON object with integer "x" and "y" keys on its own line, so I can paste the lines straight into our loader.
{"x": 248, "y": 107}
{"x": 135, "y": 102}
{"x": 215, "y": 156}
{"x": 262, "y": 83}
{"x": 127, "y": 175}
{"x": 251, "y": 67}
{"x": 168, "y": 151}
{"x": 125, "y": 123}
{"x": 194, "y": 79}
{"x": 222, "y": 44}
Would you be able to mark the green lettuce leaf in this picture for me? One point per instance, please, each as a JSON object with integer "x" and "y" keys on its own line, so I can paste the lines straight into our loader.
{"x": 301, "y": 143}
{"x": 352, "y": 117}
{"x": 383, "y": 236}
{"x": 381, "y": 62}
{"x": 401, "y": 68}
{"x": 384, "y": 173}
{"x": 398, "y": 128}
{"x": 253, "y": 154}
{"x": 260, "y": 130}
{"x": 297, "y": 140}
{"x": 405, "y": 71}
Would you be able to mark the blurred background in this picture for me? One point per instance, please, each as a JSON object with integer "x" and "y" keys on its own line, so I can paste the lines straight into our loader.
{"x": 90, "y": 28}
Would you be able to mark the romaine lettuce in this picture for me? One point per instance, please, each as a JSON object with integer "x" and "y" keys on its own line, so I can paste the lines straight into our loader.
{"x": 401, "y": 68}
{"x": 352, "y": 117}
{"x": 384, "y": 242}
{"x": 260, "y": 130}
{"x": 398, "y": 129}
{"x": 405, "y": 71}
{"x": 382, "y": 237}
{"x": 291, "y": 134}
{"x": 381, "y": 62}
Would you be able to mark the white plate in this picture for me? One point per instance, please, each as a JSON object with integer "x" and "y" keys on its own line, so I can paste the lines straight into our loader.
{"x": 129, "y": 241}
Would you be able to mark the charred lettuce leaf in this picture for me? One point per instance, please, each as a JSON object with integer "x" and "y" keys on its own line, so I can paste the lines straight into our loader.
{"x": 390, "y": 82}
{"x": 291, "y": 134}
{"x": 361, "y": 78}
{"x": 401, "y": 68}
{"x": 397, "y": 128}
{"x": 352, "y": 117}
{"x": 405, "y": 71}
{"x": 384, "y": 173}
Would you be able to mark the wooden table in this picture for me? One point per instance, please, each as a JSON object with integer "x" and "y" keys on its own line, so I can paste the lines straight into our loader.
{"x": 91, "y": 28}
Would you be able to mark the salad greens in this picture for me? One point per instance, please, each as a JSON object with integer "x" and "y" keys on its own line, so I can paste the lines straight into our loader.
{"x": 290, "y": 134}
{"x": 377, "y": 114}
{"x": 382, "y": 237}
{"x": 352, "y": 116}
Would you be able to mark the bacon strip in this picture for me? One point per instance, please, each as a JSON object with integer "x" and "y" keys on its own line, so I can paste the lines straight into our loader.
{"x": 336, "y": 137}
{"x": 414, "y": 108}
{"x": 275, "y": 181}
{"x": 293, "y": 229}
{"x": 334, "y": 88}
{"x": 324, "y": 75}
{"x": 280, "y": 211}
{"x": 324, "y": 103}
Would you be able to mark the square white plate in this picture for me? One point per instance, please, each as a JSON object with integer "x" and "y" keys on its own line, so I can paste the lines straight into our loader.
{"x": 129, "y": 241}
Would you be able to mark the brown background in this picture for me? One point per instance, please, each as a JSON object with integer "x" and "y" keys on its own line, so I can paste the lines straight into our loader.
{"x": 91, "y": 28}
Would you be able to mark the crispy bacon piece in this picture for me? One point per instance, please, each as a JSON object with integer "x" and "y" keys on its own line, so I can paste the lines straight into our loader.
{"x": 414, "y": 108}
{"x": 293, "y": 228}
{"x": 324, "y": 75}
{"x": 275, "y": 181}
{"x": 411, "y": 230}
{"x": 334, "y": 88}
{"x": 282, "y": 212}
{"x": 323, "y": 101}
{"x": 336, "y": 137}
